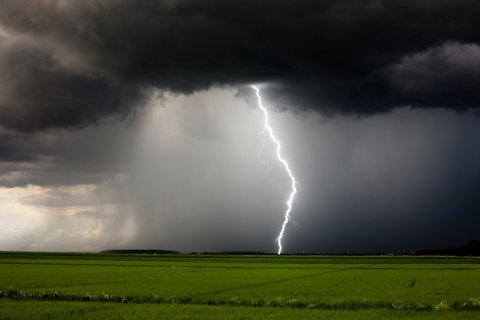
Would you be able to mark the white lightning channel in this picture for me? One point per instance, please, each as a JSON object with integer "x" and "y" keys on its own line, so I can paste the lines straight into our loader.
{"x": 285, "y": 163}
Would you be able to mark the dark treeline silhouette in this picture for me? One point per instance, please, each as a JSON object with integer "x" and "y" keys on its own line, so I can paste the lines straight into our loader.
{"x": 252, "y": 253}
{"x": 135, "y": 251}
{"x": 472, "y": 248}
{"x": 249, "y": 253}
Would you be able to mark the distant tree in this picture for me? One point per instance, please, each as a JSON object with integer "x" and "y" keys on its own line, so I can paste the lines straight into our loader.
{"x": 473, "y": 243}
{"x": 472, "y": 248}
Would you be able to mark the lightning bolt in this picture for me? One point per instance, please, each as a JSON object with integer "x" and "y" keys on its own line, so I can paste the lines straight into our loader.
{"x": 285, "y": 164}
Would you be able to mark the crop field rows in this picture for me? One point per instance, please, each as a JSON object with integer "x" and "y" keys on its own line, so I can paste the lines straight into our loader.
{"x": 231, "y": 287}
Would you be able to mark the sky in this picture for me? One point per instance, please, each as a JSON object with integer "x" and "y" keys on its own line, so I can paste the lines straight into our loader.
{"x": 133, "y": 125}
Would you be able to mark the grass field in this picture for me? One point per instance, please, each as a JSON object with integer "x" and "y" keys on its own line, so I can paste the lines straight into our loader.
{"x": 108, "y": 286}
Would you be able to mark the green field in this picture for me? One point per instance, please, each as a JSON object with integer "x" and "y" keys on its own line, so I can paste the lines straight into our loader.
{"x": 109, "y": 286}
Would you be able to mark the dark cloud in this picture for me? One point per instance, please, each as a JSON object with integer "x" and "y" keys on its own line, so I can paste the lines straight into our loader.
{"x": 64, "y": 158}
{"x": 17, "y": 148}
{"x": 441, "y": 76}
{"x": 35, "y": 95}
{"x": 67, "y": 64}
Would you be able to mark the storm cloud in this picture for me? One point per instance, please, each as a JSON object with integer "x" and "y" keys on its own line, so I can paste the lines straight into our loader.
{"x": 71, "y": 64}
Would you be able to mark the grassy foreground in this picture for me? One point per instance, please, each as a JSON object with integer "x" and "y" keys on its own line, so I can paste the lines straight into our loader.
{"x": 11, "y": 309}
{"x": 55, "y": 285}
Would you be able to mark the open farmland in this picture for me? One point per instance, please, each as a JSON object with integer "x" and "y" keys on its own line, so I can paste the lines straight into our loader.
{"x": 283, "y": 287}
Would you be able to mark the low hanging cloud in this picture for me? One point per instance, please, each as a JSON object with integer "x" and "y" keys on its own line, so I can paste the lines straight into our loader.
{"x": 441, "y": 76}
{"x": 70, "y": 64}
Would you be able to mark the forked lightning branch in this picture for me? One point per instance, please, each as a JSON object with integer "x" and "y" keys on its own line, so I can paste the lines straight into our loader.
{"x": 285, "y": 164}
